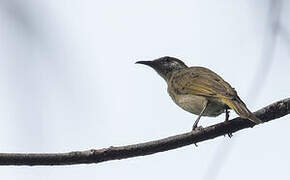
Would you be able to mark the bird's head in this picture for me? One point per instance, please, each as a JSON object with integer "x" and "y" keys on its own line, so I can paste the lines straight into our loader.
{"x": 164, "y": 66}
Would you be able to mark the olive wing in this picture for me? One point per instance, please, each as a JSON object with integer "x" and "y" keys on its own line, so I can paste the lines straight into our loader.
{"x": 203, "y": 82}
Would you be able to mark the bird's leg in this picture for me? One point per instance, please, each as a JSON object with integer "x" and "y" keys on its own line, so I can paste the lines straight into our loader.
{"x": 227, "y": 114}
{"x": 199, "y": 116}
{"x": 227, "y": 119}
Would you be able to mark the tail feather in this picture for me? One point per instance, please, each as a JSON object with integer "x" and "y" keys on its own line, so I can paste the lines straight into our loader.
{"x": 241, "y": 109}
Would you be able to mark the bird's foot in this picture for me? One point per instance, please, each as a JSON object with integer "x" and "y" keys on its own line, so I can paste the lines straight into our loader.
{"x": 229, "y": 134}
{"x": 199, "y": 128}
{"x": 194, "y": 127}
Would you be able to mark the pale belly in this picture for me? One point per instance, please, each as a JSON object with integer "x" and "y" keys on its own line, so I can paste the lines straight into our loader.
{"x": 195, "y": 104}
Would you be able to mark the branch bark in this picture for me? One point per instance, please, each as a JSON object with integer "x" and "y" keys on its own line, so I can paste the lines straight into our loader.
{"x": 268, "y": 113}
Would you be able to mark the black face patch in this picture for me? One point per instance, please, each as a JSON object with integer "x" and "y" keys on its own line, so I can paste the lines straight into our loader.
{"x": 169, "y": 63}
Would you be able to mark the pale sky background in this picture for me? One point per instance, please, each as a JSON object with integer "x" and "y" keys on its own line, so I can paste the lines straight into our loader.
{"x": 68, "y": 82}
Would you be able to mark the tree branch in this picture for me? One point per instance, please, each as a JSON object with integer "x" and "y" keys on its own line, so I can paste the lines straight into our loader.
{"x": 271, "y": 112}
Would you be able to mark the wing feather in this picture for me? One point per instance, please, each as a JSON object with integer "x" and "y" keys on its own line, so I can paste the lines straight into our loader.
{"x": 203, "y": 82}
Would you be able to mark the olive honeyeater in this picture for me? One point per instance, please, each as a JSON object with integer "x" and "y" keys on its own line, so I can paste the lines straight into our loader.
{"x": 199, "y": 90}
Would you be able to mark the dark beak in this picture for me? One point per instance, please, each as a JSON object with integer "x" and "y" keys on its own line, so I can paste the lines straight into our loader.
{"x": 148, "y": 63}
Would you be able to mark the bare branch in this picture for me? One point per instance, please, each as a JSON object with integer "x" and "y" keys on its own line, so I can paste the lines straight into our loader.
{"x": 271, "y": 112}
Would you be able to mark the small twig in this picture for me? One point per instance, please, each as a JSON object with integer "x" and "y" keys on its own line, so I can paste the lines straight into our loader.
{"x": 271, "y": 112}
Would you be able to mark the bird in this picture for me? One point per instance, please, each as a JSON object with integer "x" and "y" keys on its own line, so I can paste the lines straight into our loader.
{"x": 199, "y": 90}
